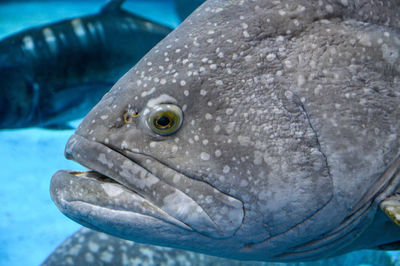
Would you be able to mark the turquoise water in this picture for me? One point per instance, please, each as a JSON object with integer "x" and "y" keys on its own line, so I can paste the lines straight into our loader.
{"x": 30, "y": 224}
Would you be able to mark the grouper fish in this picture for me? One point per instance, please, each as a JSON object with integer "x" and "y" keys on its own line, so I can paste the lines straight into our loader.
{"x": 57, "y": 72}
{"x": 257, "y": 130}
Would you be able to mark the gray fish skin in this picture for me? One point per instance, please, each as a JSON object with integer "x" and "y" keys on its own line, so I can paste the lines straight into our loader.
{"x": 289, "y": 141}
{"x": 88, "y": 247}
{"x": 57, "y": 72}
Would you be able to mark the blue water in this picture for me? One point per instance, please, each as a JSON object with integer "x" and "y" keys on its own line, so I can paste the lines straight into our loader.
{"x": 31, "y": 227}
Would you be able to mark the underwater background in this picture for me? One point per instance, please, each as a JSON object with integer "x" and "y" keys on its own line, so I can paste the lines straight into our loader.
{"x": 31, "y": 226}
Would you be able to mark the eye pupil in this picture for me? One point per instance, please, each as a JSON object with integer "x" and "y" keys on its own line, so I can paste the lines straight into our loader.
{"x": 163, "y": 121}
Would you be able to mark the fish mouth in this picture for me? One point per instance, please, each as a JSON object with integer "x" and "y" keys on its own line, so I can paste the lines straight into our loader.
{"x": 139, "y": 185}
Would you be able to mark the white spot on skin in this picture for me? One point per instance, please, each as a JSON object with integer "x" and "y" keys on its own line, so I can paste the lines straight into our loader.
{"x": 89, "y": 257}
{"x": 229, "y": 111}
{"x": 288, "y": 64}
{"x": 174, "y": 149}
{"x": 219, "y": 82}
{"x": 28, "y": 43}
{"x": 50, "y": 39}
{"x": 102, "y": 158}
{"x": 329, "y": 8}
{"x": 213, "y": 66}
{"x": 271, "y": 57}
{"x": 79, "y": 30}
{"x": 153, "y": 144}
{"x": 163, "y": 98}
{"x": 218, "y": 153}
{"x": 301, "y": 80}
{"x": 183, "y": 83}
{"x": 149, "y": 92}
{"x": 104, "y": 117}
{"x": 205, "y": 156}
{"x": 203, "y": 92}
{"x": 186, "y": 92}
{"x": 226, "y": 169}
{"x": 93, "y": 247}
{"x": 124, "y": 145}
{"x": 111, "y": 189}
{"x": 106, "y": 256}
{"x": 209, "y": 116}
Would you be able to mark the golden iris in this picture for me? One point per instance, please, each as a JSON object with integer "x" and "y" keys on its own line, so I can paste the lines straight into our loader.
{"x": 165, "y": 119}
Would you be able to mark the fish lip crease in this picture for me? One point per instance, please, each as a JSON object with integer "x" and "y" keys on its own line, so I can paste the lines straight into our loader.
{"x": 196, "y": 218}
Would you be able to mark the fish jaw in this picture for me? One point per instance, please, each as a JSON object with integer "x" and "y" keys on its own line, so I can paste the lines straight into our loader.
{"x": 126, "y": 189}
{"x": 80, "y": 201}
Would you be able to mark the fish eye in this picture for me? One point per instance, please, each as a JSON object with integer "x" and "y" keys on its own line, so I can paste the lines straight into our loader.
{"x": 165, "y": 119}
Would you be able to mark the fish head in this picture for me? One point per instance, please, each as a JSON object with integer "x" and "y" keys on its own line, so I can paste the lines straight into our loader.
{"x": 17, "y": 98}
{"x": 207, "y": 144}
{"x": 189, "y": 151}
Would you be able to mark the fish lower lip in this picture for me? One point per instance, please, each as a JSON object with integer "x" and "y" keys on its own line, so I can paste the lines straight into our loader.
{"x": 219, "y": 217}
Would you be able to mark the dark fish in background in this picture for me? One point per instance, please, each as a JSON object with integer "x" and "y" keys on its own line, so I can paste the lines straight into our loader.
{"x": 55, "y": 73}
{"x": 184, "y": 7}
{"x": 88, "y": 247}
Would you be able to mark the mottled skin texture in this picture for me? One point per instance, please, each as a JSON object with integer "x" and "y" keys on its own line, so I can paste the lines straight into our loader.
{"x": 88, "y": 247}
{"x": 290, "y": 107}
{"x": 57, "y": 72}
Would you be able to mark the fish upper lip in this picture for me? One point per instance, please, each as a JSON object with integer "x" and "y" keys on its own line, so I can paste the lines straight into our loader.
{"x": 183, "y": 200}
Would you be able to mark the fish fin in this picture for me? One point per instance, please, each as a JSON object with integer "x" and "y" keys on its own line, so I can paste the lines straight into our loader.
{"x": 59, "y": 127}
{"x": 112, "y": 6}
{"x": 391, "y": 207}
